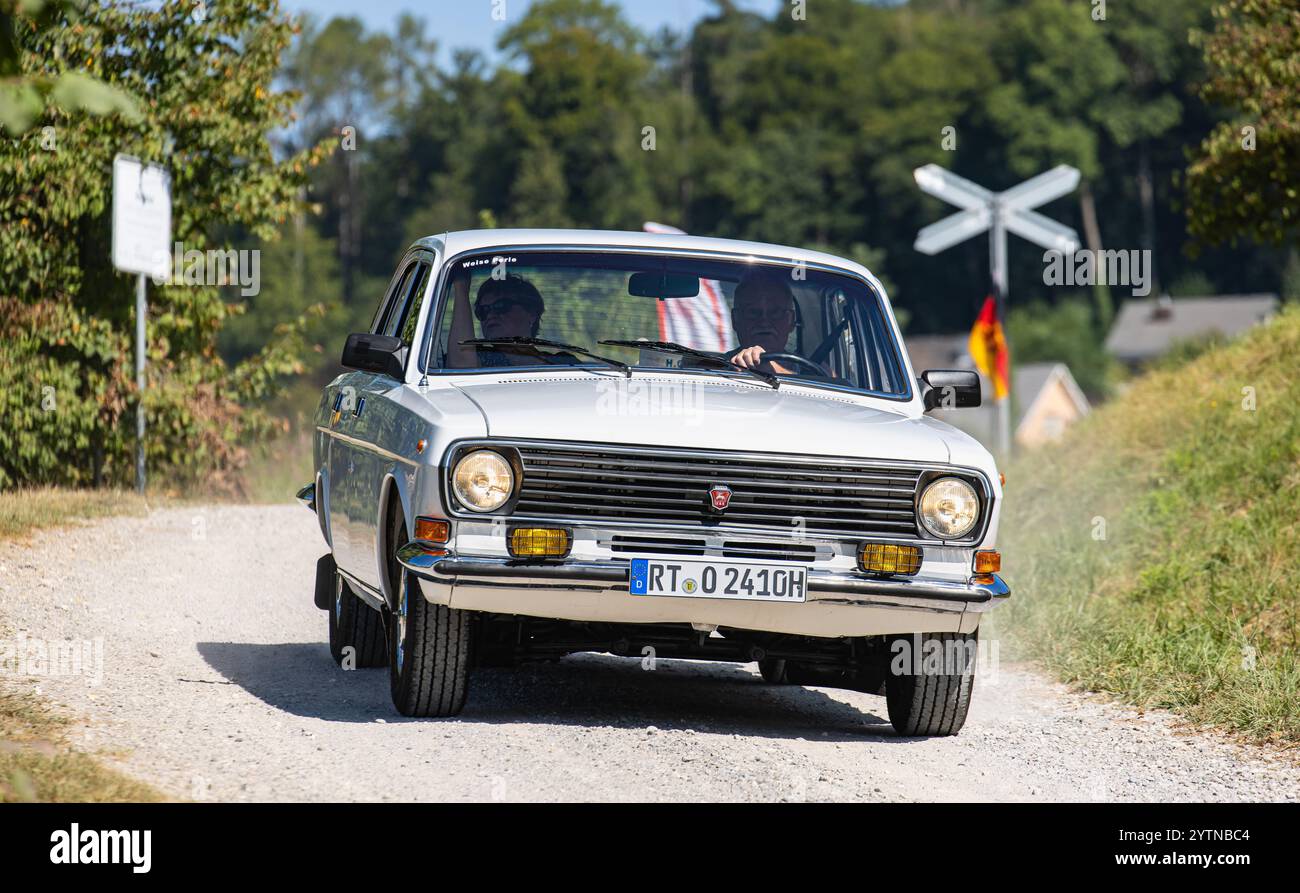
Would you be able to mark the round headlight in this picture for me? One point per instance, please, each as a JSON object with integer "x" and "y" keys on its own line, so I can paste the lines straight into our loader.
{"x": 482, "y": 481}
{"x": 949, "y": 508}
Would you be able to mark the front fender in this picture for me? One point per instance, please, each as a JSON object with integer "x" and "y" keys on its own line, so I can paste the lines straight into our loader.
{"x": 398, "y": 483}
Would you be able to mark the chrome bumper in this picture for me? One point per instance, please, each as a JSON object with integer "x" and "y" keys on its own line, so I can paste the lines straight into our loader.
{"x": 436, "y": 564}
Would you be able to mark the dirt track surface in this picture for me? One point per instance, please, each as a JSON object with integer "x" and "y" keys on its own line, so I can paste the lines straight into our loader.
{"x": 217, "y": 684}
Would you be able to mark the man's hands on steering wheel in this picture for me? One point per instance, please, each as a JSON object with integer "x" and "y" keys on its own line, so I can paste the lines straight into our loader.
{"x": 782, "y": 363}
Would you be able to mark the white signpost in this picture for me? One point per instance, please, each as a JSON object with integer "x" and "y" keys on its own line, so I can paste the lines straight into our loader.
{"x": 142, "y": 231}
{"x": 999, "y": 213}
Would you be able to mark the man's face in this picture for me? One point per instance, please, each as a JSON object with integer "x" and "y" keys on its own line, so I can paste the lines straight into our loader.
{"x": 504, "y": 316}
{"x": 764, "y": 316}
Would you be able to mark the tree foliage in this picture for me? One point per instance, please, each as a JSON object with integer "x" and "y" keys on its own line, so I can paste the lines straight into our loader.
{"x": 67, "y": 392}
{"x": 1246, "y": 180}
{"x": 24, "y": 95}
{"x": 793, "y": 131}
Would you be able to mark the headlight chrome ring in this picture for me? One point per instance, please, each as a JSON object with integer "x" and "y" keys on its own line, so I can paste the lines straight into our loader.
{"x": 482, "y": 480}
{"x": 949, "y": 508}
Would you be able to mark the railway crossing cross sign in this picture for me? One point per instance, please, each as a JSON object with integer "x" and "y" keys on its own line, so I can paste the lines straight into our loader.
{"x": 998, "y": 213}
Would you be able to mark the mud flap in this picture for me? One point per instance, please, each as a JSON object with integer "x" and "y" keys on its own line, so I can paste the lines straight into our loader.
{"x": 325, "y": 573}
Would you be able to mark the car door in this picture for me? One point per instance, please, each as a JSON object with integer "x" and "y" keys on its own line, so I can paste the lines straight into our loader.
{"x": 380, "y": 423}
{"x": 350, "y": 504}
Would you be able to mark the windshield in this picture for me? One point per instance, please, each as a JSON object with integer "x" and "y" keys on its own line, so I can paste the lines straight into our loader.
{"x": 541, "y": 309}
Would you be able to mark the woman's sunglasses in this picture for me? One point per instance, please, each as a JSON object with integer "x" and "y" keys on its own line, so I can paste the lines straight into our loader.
{"x": 500, "y": 305}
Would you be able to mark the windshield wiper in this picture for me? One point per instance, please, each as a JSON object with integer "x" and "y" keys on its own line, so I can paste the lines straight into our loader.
{"x": 524, "y": 341}
{"x": 714, "y": 359}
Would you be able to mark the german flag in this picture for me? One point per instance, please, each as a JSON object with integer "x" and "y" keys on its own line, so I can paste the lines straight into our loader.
{"x": 988, "y": 347}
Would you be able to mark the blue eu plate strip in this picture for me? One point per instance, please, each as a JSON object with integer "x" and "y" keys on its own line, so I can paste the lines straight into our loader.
{"x": 639, "y": 576}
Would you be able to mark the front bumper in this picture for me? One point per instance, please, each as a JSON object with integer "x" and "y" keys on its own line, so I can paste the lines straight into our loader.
{"x": 838, "y": 603}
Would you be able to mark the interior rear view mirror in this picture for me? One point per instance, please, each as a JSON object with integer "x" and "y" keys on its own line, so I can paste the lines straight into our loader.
{"x": 663, "y": 285}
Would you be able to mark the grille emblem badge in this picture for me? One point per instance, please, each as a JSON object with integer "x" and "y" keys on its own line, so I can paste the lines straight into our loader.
{"x": 719, "y": 497}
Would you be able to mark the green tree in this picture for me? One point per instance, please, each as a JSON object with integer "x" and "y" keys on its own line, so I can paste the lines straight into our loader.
{"x": 1245, "y": 180}
{"x": 24, "y": 95}
{"x": 579, "y": 95}
{"x": 205, "y": 86}
{"x": 1063, "y": 333}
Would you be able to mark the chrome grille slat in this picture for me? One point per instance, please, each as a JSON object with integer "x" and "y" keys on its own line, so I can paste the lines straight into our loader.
{"x": 652, "y": 545}
{"x": 829, "y": 497}
{"x": 580, "y": 459}
{"x": 778, "y": 473}
{"x": 859, "y": 506}
{"x": 656, "y": 545}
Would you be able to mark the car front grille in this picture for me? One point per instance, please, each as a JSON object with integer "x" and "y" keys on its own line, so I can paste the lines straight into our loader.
{"x": 640, "y": 544}
{"x": 821, "y": 496}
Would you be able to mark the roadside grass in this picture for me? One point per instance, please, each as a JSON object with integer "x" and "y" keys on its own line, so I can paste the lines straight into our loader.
{"x": 37, "y": 764}
{"x": 279, "y": 469}
{"x": 1154, "y": 554}
{"x": 22, "y": 511}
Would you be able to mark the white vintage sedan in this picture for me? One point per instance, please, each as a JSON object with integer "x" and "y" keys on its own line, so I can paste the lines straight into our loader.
{"x": 654, "y": 445}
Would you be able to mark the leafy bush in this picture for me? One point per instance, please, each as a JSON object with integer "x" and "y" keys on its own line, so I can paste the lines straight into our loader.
{"x": 67, "y": 386}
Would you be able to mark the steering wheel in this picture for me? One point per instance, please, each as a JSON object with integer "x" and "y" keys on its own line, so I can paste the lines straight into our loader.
{"x": 796, "y": 360}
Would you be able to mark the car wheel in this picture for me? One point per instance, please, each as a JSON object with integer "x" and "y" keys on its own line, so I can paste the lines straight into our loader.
{"x": 356, "y": 629}
{"x": 428, "y": 646}
{"x": 772, "y": 669}
{"x": 929, "y": 681}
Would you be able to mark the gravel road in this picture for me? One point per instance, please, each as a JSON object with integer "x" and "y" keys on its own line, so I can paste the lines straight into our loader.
{"x": 217, "y": 685}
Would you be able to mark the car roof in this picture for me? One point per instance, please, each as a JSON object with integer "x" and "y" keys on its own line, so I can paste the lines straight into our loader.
{"x": 454, "y": 243}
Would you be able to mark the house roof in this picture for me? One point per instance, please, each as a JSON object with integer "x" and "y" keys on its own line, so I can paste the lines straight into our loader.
{"x": 1148, "y": 328}
{"x": 1028, "y": 382}
{"x": 1031, "y": 380}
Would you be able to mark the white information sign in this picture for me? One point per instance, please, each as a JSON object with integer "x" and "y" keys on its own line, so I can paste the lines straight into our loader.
{"x": 142, "y": 217}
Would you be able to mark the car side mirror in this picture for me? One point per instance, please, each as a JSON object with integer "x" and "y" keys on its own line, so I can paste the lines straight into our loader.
{"x": 375, "y": 353}
{"x": 950, "y": 389}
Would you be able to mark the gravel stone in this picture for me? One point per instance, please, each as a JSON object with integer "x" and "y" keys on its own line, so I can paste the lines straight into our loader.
{"x": 218, "y": 685}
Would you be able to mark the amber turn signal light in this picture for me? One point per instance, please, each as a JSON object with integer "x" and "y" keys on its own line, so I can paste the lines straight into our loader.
{"x": 889, "y": 558}
{"x": 539, "y": 542}
{"x": 434, "y": 530}
{"x": 988, "y": 562}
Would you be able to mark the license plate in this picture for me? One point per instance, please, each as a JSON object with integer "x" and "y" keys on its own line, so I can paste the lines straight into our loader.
{"x": 750, "y": 581}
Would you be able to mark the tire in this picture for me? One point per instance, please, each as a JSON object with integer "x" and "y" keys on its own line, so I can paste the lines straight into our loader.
{"x": 779, "y": 671}
{"x": 772, "y": 669}
{"x": 933, "y": 701}
{"x": 429, "y": 646}
{"x": 357, "y": 626}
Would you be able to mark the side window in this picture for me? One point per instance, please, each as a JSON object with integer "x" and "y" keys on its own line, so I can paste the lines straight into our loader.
{"x": 394, "y": 299}
{"x": 844, "y": 354}
{"x": 883, "y": 368}
{"x": 415, "y": 302}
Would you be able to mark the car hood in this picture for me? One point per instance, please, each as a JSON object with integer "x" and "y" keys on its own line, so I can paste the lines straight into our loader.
{"x": 701, "y": 413}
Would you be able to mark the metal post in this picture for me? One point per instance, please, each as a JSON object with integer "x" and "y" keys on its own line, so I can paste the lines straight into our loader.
{"x": 140, "y": 311}
{"x": 999, "y": 212}
{"x": 998, "y": 272}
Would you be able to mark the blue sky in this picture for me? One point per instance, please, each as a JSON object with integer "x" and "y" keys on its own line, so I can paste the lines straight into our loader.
{"x": 469, "y": 23}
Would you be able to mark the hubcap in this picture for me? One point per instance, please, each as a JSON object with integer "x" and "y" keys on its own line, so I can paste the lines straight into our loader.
{"x": 401, "y": 623}
{"x": 338, "y": 597}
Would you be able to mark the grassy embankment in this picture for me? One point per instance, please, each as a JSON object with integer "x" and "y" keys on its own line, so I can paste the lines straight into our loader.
{"x": 22, "y": 511}
{"x": 1155, "y": 553}
{"x": 37, "y": 764}
{"x": 36, "y": 761}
